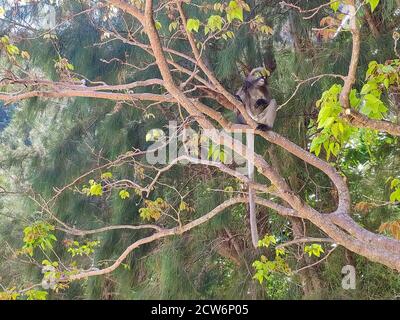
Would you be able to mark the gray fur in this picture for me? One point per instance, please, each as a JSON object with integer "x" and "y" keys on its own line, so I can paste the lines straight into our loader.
{"x": 256, "y": 98}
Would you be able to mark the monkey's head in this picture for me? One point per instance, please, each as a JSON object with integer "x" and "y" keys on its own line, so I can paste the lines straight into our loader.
{"x": 254, "y": 92}
{"x": 255, "y": 88}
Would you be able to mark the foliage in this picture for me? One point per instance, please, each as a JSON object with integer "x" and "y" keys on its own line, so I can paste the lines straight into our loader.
{"x": 276, "y": 272}
{"x": 153, "y": 209}
{"x": 395, "y": 185}
{"x": 373, "y": 4}
{"x": 123, "y": 194}
{"x": 38, "y": 235}
{"x": 314, "y": 249}
{"x": 393, "y": 227}
{"x": 94, "y": 189}
{"x": 50, "y": 143}
{"x": 267, "y": 241}
{"x": 36, "y": 295}
{"x": 334, "y": 131}
{"x": 86, "y": 249}
{"x": 265, "y": 268}
{"x": 9, "y": 295}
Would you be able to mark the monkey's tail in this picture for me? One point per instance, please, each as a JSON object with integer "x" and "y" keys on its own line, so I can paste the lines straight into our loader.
{"x": 253, "y": 218}
{"x": 252, "y": 199}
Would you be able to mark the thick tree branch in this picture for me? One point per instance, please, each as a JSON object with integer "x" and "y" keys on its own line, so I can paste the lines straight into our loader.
{"x": 359, "y": 120}
{"x": 85, "y": 93}
{"x": 128, "y": 8}
{"x": 355, "y": 54}
{"x": 352, "y": 116}
{"x": 304, "y": 240}
{"x": 80, "y": 232}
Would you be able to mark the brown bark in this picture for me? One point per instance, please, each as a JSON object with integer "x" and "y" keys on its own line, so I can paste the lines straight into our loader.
{"x": 371, "y": 23}
{"x": 361, "y": 121}
{"x": 354, "y": 117}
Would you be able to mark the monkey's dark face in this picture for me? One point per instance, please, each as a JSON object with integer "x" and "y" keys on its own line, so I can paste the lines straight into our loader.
{"x": 252, "y": 83}
{"x": 261, "y": 82}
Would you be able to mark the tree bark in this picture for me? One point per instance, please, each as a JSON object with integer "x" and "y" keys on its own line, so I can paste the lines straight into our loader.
{"x": 371, "y": 22}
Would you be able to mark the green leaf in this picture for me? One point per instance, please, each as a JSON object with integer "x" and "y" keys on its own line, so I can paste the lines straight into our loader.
{"x": 52, "y": 237}
{"x": 214, "y": 22}
{"x": 266, "y": 29}
{"x": 372, "y": 66}
{"x": 395, "y": 182}
{"x": 373, "y": 107}
{"x": 354, "y": 100}
{"x": 173, "y": 26}
{"x": 183, "y": 206}
{"x": 314, "y": 249}
{"x": 210, "y": 151}
{"x": 35, "y": 295}
{"x": 395, "y": 196}
{"x": 106, "y": 176}
{"x": 373, "y": 4}
{"x": 234, "y": 11}
{"x": 386, "y": 83}
{"x": 222, "y": 156}
{"x": 158, "y": 25}
{"x": 280, "y": 251}
{"x": 388, "y": 69}
{"x": 368, "y": 87}
{"x": 327, "y": 123}
{"x": 96, "y": 189}
{"x": 12, "y": 50}
{"x": 46, "y": 262}
{"x": 5, "y": 39}
{"x": 335, "y": 130}
{"x": 123, "y": 194}
{"x": 193, "y": 25}
{"x": 267, "y": 241}
{"x": 230, "y": 34}
{"x": 335, "y": 5}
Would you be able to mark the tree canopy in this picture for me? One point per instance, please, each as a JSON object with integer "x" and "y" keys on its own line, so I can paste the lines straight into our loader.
{"x": 123, "y": 170}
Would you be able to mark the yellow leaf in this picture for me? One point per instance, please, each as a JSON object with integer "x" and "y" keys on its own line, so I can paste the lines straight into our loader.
{"x": 392, "y": 227}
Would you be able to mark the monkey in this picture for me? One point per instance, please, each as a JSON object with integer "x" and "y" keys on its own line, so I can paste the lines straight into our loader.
{"x": 260, "y": 106}
{"x": 255, "y": 96}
